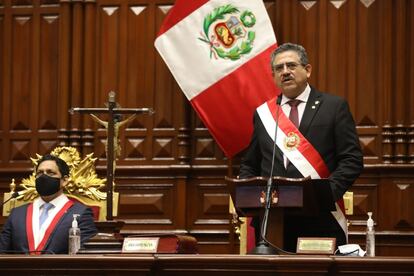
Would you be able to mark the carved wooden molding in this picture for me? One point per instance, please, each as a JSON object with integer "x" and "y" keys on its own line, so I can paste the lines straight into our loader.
{"x": 367, "y": 3}
{"x": 403, "y": 186}
{"x": 110, "y": 10}
{"x": 308, "y": 4}
{"x": 165, "y": 8}
{"x": 338, "y": 3}
{"x": 137, "y": 10}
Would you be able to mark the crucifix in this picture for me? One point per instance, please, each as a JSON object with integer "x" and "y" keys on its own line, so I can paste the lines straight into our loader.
{"x": 112, "y": 147}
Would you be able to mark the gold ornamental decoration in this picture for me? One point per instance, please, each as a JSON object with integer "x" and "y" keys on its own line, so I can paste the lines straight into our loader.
{"x": 83, "y": 180}
{"x": 292, "y": 141}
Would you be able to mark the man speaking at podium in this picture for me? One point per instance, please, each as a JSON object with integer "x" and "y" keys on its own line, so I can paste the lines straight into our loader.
{"x": 316, "y": 136}
{"x": 43, "y": 226}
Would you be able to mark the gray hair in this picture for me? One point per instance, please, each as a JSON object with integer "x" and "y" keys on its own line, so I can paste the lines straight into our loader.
{"x": 303, "y": 56}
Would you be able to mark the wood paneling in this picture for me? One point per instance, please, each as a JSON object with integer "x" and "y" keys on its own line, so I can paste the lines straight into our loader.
{"x": 396, "y": 197}
{"x": 61, "y": 54}
{"x": 203, "y": 265}
{"x": 29, "y": 80}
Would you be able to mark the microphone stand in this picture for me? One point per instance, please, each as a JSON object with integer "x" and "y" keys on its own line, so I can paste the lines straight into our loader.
{"x": 13, "y": 195}
{"x": 264, "y": 247}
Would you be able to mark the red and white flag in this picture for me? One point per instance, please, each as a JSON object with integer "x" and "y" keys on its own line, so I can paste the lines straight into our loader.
{"x": 219, "y": 53}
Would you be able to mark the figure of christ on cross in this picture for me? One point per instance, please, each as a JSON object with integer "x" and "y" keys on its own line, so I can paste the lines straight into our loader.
{"x": 112, "y": 147}
{"x": 117, "y": 125}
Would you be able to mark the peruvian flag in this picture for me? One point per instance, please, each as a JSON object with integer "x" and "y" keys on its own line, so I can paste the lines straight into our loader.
{"x": 219, "y": 53}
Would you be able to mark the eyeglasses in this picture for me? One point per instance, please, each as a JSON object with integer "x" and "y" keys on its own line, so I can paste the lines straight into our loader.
{"x": 291, "y": 66}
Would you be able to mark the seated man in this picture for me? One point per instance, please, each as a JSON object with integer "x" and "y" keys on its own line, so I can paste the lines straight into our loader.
{"x": 43, "y": 226}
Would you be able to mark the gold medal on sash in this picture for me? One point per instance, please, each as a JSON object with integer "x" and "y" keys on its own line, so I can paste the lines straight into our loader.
{"x": 292, "y": 141}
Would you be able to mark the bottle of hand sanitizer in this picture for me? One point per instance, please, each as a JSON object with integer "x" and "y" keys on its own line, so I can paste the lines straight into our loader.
{"x": 74, "y": 236}
{"x": 370, "y": 241}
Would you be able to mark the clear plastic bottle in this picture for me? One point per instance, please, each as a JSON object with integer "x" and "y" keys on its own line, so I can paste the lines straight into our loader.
{"x": 370, "y": 236}
{"x": 74, "y": 237}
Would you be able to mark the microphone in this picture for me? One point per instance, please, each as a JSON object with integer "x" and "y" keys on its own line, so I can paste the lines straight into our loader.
{"x": 14, "y": 195}
{"x": 264, "y": 247}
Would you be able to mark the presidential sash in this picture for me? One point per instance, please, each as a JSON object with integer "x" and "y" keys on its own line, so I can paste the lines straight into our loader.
{"x": 49, "y": 230}
{"x": 298, "y": 150}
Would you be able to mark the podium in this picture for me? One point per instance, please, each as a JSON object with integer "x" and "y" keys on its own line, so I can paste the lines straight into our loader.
{"x": 300, "y": 196}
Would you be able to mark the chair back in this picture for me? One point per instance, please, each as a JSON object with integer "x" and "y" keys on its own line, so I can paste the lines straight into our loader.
{"x": 84, "y": 185}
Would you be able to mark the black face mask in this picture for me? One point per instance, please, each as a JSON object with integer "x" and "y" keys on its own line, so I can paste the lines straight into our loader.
{"x": 47, "y": 185}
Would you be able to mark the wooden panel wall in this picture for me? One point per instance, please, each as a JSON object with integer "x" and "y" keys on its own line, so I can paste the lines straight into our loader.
{"x": 61, "y": 54}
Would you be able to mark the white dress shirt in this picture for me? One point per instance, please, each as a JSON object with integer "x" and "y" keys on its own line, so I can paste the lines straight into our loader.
{"x": 39, "y": 232}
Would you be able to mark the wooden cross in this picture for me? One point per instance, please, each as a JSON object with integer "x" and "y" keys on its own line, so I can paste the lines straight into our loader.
{"x": 111, "y": 110}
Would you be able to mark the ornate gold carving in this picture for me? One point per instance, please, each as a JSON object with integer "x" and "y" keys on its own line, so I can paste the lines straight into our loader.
{"x": 235, "y": 220}
{"x": 12, "y": 186}
{"x": 83, "y": 180}
{"x": 349, "y": 203}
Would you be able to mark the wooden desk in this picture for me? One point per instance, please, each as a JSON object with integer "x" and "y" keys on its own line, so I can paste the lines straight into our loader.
{"x": 202, "y": 265}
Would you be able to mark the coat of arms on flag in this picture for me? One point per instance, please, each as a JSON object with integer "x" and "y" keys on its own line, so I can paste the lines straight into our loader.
{"x": 226, "y": 32}
{"x": 219, "y": 53}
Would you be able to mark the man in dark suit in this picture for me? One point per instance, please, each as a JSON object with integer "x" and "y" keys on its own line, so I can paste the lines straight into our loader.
{"x": 43, "y": 226}
{"x": 316, "y": 137}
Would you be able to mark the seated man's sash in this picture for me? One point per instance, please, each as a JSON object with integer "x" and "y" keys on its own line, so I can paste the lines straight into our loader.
{"x": 29, "y": 228}
{"x": 298, "y": 150}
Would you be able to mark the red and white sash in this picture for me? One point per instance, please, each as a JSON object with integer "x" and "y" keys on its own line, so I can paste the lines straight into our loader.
{"x": 298, "y": 150}
{"x": 49, "y": 230}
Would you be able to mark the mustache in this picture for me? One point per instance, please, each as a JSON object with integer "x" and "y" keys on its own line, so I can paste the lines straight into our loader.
{"x": 287, "y": 78}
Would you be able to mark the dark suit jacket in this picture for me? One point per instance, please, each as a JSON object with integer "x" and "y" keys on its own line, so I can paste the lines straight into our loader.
{"x": 330, "y": 128}
{"x": 13, "y": 238}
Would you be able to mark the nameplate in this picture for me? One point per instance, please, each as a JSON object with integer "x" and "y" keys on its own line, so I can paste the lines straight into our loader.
{"x": 140, "y": 245}
{"x": 318, "y": 246}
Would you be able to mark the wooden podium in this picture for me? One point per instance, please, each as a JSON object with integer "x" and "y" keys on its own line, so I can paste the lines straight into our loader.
{"x": 294, "y": 196}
